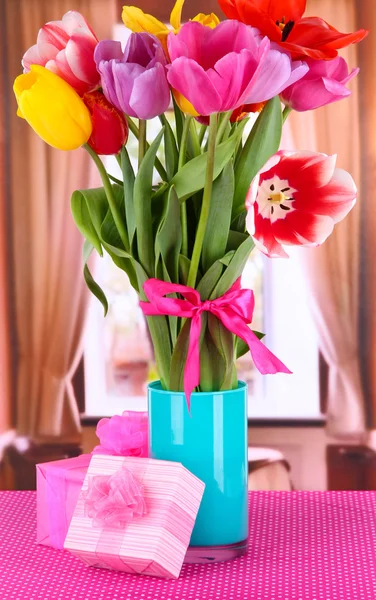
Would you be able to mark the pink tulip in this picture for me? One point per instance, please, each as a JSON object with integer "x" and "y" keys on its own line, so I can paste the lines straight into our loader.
{"x": 220, "y": 69}
{"x": 296, "y": 200}
{"x": 66, "y": 48}
{"x": 324, "y": 83}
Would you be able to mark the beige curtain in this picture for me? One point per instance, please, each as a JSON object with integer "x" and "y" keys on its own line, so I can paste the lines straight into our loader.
{"x": 50, "y": 295}
{"x": 366, "y": 13}
{"x": 333, "y": 270}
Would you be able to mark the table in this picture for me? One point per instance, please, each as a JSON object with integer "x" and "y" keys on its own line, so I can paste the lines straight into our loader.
{"x": 303, "y": 546}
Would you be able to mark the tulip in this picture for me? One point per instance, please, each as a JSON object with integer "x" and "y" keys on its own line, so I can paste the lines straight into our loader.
{"x": 220, "y": 69}
{"x": 296, "y": 200}
{"x": 110, "y": 128}
{"x": 52, "y": 108}
{"x": 138, "y": 21}
{"x": 66, "y": 48}
{"x": 282, "y": 21}
{"x": 134, "y": 81}
{"x": 324, "y": 83}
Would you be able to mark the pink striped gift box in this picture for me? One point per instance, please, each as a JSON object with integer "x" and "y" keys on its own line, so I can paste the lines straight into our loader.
{"x": 154, "y": 544}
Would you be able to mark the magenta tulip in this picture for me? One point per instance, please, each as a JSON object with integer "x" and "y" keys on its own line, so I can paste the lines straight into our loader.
{"x": 324, "y": 83}
{"x": 66, "y": 48}
{"x": 134, "y": 81}
{"x": 296, "y": 200}
{"x": 220, "y": 69}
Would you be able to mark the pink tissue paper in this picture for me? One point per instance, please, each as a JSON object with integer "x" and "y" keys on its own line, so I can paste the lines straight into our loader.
{"x": 135, "y": 515}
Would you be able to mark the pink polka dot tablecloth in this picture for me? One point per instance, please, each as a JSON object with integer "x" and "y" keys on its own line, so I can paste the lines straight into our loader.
{"x": 302, "y": 546}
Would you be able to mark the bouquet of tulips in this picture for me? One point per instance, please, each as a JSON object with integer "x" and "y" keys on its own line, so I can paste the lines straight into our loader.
{"x": 205, "y": 193}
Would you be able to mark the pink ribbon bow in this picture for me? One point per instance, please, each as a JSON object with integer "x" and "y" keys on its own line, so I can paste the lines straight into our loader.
{"x": 114, "y": 500}
{"x": 234, "y": 309}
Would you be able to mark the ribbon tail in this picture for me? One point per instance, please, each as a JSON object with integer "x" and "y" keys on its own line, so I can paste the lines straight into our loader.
{"x": 265, "y": 361}
{"x": 192, "y": 365}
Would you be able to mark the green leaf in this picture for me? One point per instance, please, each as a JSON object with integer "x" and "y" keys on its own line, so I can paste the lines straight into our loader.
{"x": 212, "y": 276}
{"x": 168, "y": 238}
{"x": 171, "y": 151}
{"x": 217, "y": 229}
{"x": 143, "y": 189}
{"x": 263, "y": 141}
{"x": 159, "y": 331}
{"x": 179, "y": 121}
{"x": 89, "y": 208}
{"x": 128, "y": 186}
{"x": 242, "y": 347}
{"x": 234, "y": 269}
{"x": 108, "y": 230}
{"x": 235, "y": 239}
{"x": 184, "y": 266}
{"x": 212, "y": 365}
{"x": 115, "y": 179}
{"x": 89, "y": 280}
{"x": 191, "y": 178}
{"x": 224, "y": 343}
{"x": 178, "y": 359}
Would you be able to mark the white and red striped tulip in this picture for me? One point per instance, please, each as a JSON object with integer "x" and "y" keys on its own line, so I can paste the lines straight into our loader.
{"x": 296, "y": 200}
{"x": 66, "y": 48}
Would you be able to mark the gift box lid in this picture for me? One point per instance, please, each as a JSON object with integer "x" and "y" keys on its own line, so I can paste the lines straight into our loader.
{"x": 152, "y": 544}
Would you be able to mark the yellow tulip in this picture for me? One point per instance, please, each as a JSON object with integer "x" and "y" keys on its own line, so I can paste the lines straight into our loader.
{"x": 52, "y": 108}
{"x": 138, "y": 21}
{"x": 208, "y": 20}
{"x": 184, "y": 105}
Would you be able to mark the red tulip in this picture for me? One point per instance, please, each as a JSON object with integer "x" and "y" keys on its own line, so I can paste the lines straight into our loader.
{"x": 110, "y": 128}
{"x": 282, "y": 21}
{"x": 296, "y": 200}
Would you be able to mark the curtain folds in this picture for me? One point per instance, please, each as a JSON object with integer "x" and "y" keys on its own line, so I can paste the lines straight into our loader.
{"x": 341, "y": 273}
{"x": 49, "y": 291}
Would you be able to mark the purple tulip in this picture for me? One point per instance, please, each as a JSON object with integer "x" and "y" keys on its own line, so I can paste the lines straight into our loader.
{"x": 134, "y": 81}
{"x": 324, "y": 83}
{"x": 220, "y": 69}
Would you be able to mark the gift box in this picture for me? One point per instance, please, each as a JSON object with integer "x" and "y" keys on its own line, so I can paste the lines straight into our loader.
{"x": 59, "y": 482}
{"x": 58, "y": 488}
{"x": 135, "y": 515}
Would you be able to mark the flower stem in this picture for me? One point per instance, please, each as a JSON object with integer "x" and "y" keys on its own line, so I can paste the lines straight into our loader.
{"x": 183, "y": 206}
{"x": 285, "y": 113}
{"x": 115, "y": 211}
{"x": 205, "y": 207}
{"x": 158, "y": 165}
{"x": 141, "y": 141}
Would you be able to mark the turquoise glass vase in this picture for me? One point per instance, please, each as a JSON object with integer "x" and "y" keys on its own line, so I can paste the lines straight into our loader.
{"x": 210, "y": 441}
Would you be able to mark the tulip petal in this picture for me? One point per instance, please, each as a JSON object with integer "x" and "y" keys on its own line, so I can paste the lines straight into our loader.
{"x": 150, "y": 95}
{"x": 33, "y": 56}
{"x": 190, "y": 79}
{"x": 80, "y": 57}
{"x": 124, "y": 76}
{"x": 314, "y": 229}
{"x": 74, "y": 22}
{"x": 175, "y": 16}
{"x": 53, "y": 33}
{"x": 53, "y": 109}
{"x": 138, "y": 21}
{"x": 265, "y": 240}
